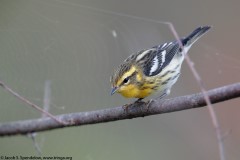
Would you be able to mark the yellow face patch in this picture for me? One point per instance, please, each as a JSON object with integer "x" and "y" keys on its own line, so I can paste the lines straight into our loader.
{"x": 128, "y": 91}
{"x": 132, "y": 91}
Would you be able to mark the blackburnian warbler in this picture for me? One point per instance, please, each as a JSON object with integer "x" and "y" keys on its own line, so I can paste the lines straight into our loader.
{"x": 154, "y": 69}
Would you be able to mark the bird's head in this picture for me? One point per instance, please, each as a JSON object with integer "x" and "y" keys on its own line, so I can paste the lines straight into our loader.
{"x": 126, "y": 80}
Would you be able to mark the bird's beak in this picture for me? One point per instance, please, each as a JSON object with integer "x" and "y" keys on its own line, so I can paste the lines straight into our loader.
{"x": 114, "y": 89}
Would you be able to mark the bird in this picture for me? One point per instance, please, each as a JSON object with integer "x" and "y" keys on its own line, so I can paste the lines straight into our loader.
{"x": 153, "y": 70}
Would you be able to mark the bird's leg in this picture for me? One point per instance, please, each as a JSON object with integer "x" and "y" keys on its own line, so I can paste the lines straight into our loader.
{"x": 138, "y": 101}
{"x": 149, "y": 102}
{"x": 165, "y": 93}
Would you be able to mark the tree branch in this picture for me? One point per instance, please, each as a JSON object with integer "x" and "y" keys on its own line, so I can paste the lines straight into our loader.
{"x": 157, "y": 106}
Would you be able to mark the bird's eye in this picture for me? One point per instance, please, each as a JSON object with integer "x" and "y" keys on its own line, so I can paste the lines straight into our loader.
{"x": 126, "y": 80}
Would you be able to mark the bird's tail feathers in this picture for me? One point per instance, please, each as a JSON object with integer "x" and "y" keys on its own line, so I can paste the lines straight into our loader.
{"x": 195, "y": 35}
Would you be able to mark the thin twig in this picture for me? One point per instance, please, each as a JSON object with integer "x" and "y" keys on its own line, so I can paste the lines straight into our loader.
{"x": 47, "y": 97}
{"x": 158, "y": 106}
{"x": 206, "y": 97}
{"x": 35, "y": 144}
{"x": 15, "y": 94}
{"x": 46, "y": 106}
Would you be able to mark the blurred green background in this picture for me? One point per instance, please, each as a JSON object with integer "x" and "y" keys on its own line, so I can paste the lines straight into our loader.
{"x": 76, "y": 45}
